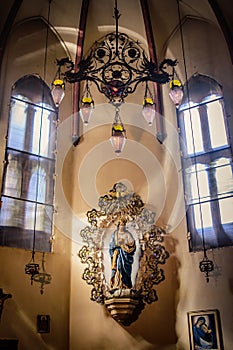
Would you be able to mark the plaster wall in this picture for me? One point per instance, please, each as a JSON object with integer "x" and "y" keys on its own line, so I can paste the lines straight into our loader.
{"x": 162, "y": 325}
{"x": 88, "y": 171}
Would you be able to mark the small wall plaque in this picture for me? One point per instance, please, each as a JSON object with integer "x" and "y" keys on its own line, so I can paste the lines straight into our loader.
{"x": 43, "y": 323}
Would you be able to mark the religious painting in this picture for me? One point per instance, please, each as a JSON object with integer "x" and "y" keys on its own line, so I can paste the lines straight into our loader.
{"x": 205, "y": 330}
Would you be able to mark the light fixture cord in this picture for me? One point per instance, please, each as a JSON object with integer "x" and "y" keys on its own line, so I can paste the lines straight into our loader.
{"x": 46, "y": 41}
{"x": 116, "y": 16}
{"x": 117, "y": 118}
{"x": 40, "y": 133}
{"x": 148, "y": 92}
{"x": 192, "y": 132}
{"x": 87, "y": 91}
{"x": 175, "y": 75}
{"x": 43, "y": 261}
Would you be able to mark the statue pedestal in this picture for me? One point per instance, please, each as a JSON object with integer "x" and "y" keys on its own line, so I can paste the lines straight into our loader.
{"x": 124, "y": 308}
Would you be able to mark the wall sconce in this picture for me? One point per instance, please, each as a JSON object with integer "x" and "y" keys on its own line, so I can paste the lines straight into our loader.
{"x": 123, "y": 250}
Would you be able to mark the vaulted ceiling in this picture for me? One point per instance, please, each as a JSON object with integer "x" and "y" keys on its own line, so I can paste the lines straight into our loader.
{"x": 65, "y": 18}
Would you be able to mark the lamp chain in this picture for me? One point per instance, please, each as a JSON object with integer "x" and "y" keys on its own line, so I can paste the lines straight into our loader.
{"x": 117, "y": 118}
{"x": 116, "y": 16}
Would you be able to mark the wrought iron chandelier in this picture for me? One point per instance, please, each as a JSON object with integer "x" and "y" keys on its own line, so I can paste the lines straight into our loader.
{"x": 116, "y": 64}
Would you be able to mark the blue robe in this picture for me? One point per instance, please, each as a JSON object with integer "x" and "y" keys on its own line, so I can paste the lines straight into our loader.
{"x": 123, "y": 252}
{"x": 203, "y": 339}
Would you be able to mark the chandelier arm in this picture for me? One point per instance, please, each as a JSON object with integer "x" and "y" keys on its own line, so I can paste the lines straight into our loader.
{"x": 75, "y": 77}
{"x": 141, "y": 76}
{"x": 117, "y": 64}
{"x": 169, "y": 62}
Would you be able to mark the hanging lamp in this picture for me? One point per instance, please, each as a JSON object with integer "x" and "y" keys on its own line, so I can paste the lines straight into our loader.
{"x": 118, "y": 137}
{"x": 87, "y": 105}
{"x": 58, "y": 91}
{"x": 58, "y": 84}
{"x": 176, "y": 89}
{"x": 148, "y": 109}
{"x": 32, "y": 268}
{"x": 176, "y": 92}
{"x": 43, "y": 277}
{"x": 206, "y": 266}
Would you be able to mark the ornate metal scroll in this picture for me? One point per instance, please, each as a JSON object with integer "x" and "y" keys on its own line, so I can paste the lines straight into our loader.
{"x": 117, "y": 64}
{"x": 123, "y": 303}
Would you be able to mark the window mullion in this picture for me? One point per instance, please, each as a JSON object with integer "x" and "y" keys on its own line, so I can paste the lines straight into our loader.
{"x": 205, "y": 128}
{"x": 227, "y": 127}
{"x": 215, "y": 210}
{"x": 29, "y": 127}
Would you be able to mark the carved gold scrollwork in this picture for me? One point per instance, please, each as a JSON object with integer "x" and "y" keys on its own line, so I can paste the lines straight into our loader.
{"x": 116, "y": 206}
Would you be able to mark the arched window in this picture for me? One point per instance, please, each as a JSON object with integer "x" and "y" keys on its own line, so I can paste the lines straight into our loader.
{"x": 26, "y": 214}
{"x": 207, "y": 164}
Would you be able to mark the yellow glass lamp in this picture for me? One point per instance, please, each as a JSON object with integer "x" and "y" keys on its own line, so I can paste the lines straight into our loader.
{"x": 148, "y": 110}
{"x": 118, "y": 137}
{"x": 58, "y": 91}
{"x": 176, "y": 92}
{"x": 86, "y": 109}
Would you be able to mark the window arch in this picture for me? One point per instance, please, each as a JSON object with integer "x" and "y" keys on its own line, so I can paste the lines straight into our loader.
{"x": 26, "y": 214}
{"x": 207, "y": 163}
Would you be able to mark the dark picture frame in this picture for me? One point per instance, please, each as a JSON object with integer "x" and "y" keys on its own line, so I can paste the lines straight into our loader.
{"x": 205, "y": 330}
{"x": 43, "y": 323}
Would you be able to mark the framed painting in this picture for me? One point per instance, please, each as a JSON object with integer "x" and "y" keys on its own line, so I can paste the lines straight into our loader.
{"x": 205, "y": 330}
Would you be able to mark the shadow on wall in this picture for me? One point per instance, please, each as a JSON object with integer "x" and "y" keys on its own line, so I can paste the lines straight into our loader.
{"x": 157, "y": 322}
{"x": 23, "y": 328}
{"x": 231, "y": 285}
